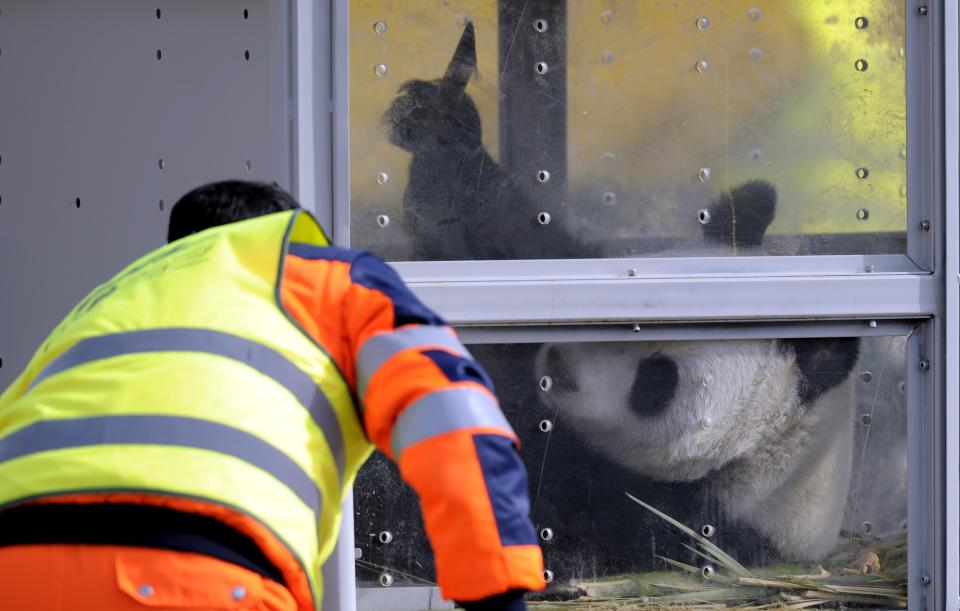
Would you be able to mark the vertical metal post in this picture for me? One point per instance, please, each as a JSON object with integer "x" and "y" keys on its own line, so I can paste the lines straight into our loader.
{"x": 321, "y": 182}
{"x": 533, "y": 103}
{"x": 951, "y": 367}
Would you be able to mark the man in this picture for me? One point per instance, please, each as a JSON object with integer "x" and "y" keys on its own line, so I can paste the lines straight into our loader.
{"x": 185, "y": 436}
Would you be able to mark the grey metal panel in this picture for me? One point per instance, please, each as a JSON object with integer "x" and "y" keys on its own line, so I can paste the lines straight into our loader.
{"x": 951, "y": 361}
{"x": 373, "y": 597}
{"x": 88, "y": 113}
{"x": 924, "y": 138}
{"x": 713, "y": 299}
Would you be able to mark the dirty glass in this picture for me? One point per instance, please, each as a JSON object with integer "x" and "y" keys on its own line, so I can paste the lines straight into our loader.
{"x": 544, "y": 129}
{"x": 754, "y": 471}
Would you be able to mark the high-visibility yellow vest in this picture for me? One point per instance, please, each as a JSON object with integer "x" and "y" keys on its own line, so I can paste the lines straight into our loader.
{"x": 183, "y": 375}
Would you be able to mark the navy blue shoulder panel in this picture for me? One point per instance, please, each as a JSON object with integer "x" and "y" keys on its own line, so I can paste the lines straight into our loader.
{"x": 458, "y": 368}
{"x": 506, "y": 481}
{"x": 367, "y": 270}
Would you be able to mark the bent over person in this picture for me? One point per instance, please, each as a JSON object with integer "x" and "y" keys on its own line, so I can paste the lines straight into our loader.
{"x": 185, "y": 436}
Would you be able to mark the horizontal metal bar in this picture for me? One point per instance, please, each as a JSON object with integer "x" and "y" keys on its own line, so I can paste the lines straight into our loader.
{"x": 674, "y": 332}
{"x": 689, "y": 267}
{"x": 707, "y": 299}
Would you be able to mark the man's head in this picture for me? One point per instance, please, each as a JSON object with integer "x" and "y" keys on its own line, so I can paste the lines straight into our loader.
{"x": 229, "y": 201}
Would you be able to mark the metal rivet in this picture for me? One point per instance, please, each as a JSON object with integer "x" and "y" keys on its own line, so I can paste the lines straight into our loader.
{"x": 546, "y": 383}
{"x": 162, "y": 204}
{"x": 386, "y": 580}
{"x": 706, "y": 379}
{"x": 866, "y": 528}
{"x": 866, "y": 377}
{"x": 543, "y": 176}
{"x": 707, "y": 530}
{"x": 862, "y": 173}
{"x": 543, "y": 218}
{"x": 755, "y": 54}
{"x": 606, "y": 16}
{"x": 756, "y": 153}
{"x": 248, "y": 164}
{"x": 701, "y": 65}
{"x": 238, "y": 593}
{"x": 632, "y": 272}
{"x": 383, "y": 220}
{"x": 546, "y": 534}
{"x": 863, "y": 214}
{"x": 868, "y": 269}
{"x": 357, "y": 553}
{"x": 861, "y": 23}
{"x": 922, "y": 11}
{"x": 548, "y": 575}
{"x": 872, "y": 324}
{"x": 379, "y": 27}
{"x": 706, "y": 423}
{"x": 545, "y": 426}
{"x": 866, "y": 419}
{"x": 754, "y": 14}
{"x": 383, "y": 178}
{"x": 861, "y": 65}
{"x": 902, "y": 387}
{"x": 703, "y": 174}
{"x": 161, "y": 164}
{"x": 385, "y": 537}
{"x": 540, "y": 25}
{"x": 925, "y": 579}
{"x": 541, "y": 67}
{"x": 924, "y": 225}
{"x": 704, "y": 216}
{"x": 703, "y": 23}
{"x": 902, "y": 152}
{"x": 708, "y": 571}
{"x": 609, "y": 198}
{"x": 145, "y": 590}
{"x": 606, "y": 57}
{"x": 924, "y": 365}
{"x": 380, "y": 70}
{"x": 636, "y": 327}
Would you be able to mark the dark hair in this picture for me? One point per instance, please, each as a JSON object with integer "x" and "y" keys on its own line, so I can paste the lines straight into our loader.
{"x": 228, "y": 201}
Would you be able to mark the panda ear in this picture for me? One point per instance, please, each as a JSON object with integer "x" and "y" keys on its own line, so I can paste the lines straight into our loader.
{"x": 741, "y": 217}
{"x": 823, "y": 363}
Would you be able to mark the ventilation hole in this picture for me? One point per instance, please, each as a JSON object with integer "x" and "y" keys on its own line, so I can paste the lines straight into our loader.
{"x": 246, "y": 55}
{"x": 861, "y": 23}
{"x": 540, "y": 25}
{"x": 861, "y": 65}
{"x": 162, "y": 205}
{"x": 1, "y": 363}
{"x": 159, "y": 54}
{"x": 159, "y": 14}
{"x": 160, "y": 164}
{"x": 246, "y": 14}
{"x": 77, "y": 202}
{"x": 541, "y": 67}
{"x": 862, "y": 173}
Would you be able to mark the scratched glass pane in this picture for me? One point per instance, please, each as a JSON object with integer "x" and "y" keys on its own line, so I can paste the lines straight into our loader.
{"x": 542, "y": 129}
{"x": 787, "y": 455}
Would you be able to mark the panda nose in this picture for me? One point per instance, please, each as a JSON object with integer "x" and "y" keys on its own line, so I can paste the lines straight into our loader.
{"x": 560, "y": 372}
{"x": 654, "y": 386}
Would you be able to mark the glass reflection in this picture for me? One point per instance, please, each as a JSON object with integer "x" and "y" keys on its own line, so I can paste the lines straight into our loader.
{"x": 575, "y": 130}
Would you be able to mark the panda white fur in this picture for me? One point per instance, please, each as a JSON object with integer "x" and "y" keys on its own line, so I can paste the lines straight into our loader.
{"x": 768, "y": 424}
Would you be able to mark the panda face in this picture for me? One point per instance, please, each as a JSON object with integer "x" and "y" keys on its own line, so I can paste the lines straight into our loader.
{"x": 674, "y": 410}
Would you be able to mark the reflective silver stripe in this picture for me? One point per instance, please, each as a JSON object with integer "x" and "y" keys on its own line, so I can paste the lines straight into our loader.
{"x": 264, "y": 359}
{"x": 49, "y": 435}
{"x": 444, "y": 411}
{"x": 380, "y": 348}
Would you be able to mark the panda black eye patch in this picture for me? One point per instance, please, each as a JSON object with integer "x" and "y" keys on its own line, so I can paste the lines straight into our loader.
{"x": 654, "y": 385}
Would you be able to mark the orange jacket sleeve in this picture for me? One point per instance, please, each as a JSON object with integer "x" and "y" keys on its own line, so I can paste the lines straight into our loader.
{"x": 430, "y": 407}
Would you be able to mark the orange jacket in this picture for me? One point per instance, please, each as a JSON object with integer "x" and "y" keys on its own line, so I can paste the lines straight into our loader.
{"x": 412, "y": 377}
